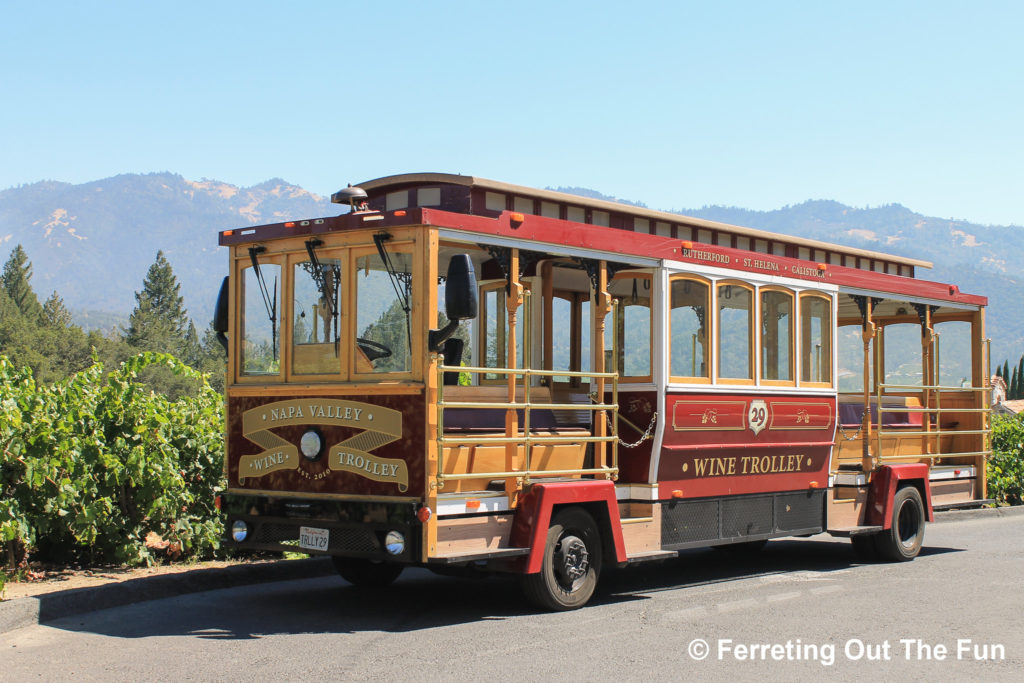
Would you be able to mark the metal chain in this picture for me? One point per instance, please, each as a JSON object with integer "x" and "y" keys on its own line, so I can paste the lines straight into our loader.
{"x": 842, "y": 432}
{"x": 647, "y": 434}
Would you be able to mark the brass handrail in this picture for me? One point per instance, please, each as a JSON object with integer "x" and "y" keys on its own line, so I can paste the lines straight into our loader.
{"x": 930, "y": 431}
{"x": 524, "y": 434}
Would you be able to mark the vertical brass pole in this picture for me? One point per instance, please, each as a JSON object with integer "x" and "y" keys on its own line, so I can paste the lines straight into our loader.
{"x": 512, "y": 303}
{"x": 868, "y": 335}
{"x": 603, "y": 304}
{"x": 927, "y": 379}
{"x": 426, "y": 251}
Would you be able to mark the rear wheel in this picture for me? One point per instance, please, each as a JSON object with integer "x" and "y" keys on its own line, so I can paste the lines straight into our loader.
{"x": 367, "y": 573}
{"x": 571, "y": 564}
{"x": 902, "y": 542}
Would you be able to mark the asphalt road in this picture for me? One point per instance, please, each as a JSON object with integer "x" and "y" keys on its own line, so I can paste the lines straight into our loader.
{"x": 802, "y": 609}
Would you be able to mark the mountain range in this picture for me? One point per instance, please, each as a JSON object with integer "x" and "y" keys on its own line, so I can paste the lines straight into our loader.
{"x": 93, "y": 243}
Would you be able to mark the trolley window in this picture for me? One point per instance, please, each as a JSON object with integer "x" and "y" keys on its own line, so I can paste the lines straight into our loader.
{"x": 261, "y": 298}
{"x": 815, "y": 339}
{"x": 735, "y": 338}
{"x": 776, "y": 336}
{"x": 688, "y": 330}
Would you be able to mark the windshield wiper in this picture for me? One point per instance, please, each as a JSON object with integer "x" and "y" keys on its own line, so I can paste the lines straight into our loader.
{"x": 321, "y": 283}
{"x": 269, "y": 302}
{"x": 401, "y": 282}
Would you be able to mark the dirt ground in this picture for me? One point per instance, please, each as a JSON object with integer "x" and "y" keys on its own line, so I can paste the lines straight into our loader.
{"x": 45, "y": 581}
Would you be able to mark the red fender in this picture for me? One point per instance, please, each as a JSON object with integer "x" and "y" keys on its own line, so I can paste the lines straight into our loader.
{"x": 885, "y": 481}
{"x": 533, "y": 515}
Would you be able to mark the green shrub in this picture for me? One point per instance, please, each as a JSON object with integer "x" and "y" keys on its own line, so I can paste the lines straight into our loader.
{"x": 93, "y": 464}
{"x": 1006, "y": 466}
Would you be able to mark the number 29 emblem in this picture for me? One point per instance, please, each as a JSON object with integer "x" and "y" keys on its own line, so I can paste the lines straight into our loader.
{"x": 757, "y": 416}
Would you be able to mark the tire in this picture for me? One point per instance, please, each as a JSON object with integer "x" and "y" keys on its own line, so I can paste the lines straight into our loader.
{"x": 571, "y": 564}
{"x": 367, "y": 573}
{"x": 902, "y": 542}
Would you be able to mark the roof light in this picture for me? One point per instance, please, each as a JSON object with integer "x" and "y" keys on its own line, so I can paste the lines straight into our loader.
{"x": 473, "y": 504}
{"x": 400, "y": 212}
{"x": 687, "y": 244}
{"x": 678, "y": 493}
{"x": 228, "y": 232}
{"x": 517, "y": 217}
{"x": 822, "y": 266}
{"x": 289, "y": 225}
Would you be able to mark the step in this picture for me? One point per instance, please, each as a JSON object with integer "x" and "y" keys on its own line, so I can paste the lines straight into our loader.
{"x": 854, "y": 531}
{"x": 480, "y": 555}
{"x": 651, "y": 555}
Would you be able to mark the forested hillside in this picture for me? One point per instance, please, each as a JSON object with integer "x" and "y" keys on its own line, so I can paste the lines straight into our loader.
{"x": 92, "y": 242}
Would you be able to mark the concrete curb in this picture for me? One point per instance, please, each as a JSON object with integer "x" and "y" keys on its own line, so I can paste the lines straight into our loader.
{"x": 959, "y": 515}
{"x": 23, "y": 612}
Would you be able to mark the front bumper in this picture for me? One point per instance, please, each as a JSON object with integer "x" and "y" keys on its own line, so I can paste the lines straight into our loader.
{"x": 354, "y": 530}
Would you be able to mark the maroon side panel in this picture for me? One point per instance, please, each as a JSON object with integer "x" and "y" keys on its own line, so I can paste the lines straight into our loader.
{"x": 318, "y": 477}
{"x": 731, "y": 444}
{"x": 638, "y": 407}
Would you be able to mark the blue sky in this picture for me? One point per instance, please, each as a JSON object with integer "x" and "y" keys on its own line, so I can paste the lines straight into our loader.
{"x": 676, "y": 104}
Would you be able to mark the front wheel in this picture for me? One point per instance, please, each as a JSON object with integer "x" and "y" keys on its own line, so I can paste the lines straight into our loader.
{"x": 571, "y": 564}
{"x": 902, "y": 542}
{"x": 366, "y": 573}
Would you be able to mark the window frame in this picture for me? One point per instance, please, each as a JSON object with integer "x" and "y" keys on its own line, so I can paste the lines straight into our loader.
{"x": 827, "y": 328}
{"x": 752, "y": 357}
{"x": 611, "y": 330}
{"x": 777, "y": 289}
{"x": 242, "y": 263}
{"x": 293, "y": 259}
{"x": 351, "y": 297}
{"x": 711, "y": 340}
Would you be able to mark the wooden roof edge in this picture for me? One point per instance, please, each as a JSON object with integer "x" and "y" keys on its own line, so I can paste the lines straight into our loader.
{"x": 636, "y": 211}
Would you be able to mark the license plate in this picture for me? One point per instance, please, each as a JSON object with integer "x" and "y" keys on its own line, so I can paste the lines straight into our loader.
{"x": 312, "y": 538}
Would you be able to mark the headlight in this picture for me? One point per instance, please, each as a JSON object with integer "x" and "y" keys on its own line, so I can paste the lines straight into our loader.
{"x": 239, "y": 531}
{"x": 311, "y": 444}
{"x": 394, "y": 542}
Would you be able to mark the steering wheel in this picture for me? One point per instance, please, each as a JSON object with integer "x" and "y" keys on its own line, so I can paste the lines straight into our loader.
{"x": 372, "y": 349}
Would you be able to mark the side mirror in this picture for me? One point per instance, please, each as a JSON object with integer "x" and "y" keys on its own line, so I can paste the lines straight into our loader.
{"x": 460, "y": 300}
{"x": 220, "y": 315}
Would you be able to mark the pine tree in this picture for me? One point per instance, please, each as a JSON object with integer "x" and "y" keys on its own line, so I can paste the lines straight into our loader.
{"x": 191, "y": 352}
{"x": 55, "y": 313}
{"x": 1020, "y": 379}
{"x": 159, "y": 321}
{"x": 17, "y": 275}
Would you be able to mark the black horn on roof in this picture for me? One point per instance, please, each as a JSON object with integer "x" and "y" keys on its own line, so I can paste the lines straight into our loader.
{"x": 353, "y": 196}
